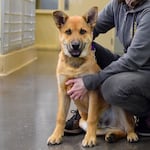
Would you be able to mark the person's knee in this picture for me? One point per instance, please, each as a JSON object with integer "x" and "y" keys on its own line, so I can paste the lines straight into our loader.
{"x": 110, "y": 90}
{"x": 118, "y": 87}
{"x": 120, "y": 91}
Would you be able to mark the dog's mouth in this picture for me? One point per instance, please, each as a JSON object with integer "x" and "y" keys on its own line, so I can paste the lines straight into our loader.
{"x": 75, "y": 48}
{"x": 75, "y": 53}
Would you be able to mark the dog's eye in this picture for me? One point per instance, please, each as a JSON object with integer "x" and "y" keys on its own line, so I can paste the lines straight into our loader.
{"x": 68, "y": 32}
{"x": 82, "y": 31}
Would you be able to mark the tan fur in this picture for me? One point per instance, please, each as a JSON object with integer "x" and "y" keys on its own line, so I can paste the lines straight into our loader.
{"x": 92, "y": 106}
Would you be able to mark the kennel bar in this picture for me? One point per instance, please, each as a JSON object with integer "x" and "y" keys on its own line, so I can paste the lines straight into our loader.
{"x": 28, "y": 22}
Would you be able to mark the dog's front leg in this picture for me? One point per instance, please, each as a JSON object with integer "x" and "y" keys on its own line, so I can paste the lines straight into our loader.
{"x": 90, "y": 137}
{"x": 63, "y": 107}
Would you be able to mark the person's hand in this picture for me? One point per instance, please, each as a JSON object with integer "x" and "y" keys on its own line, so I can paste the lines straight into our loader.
{"x": 78, "y": 89}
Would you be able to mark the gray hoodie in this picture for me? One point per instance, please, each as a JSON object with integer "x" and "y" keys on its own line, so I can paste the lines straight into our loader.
{"x": 133, "y": 30}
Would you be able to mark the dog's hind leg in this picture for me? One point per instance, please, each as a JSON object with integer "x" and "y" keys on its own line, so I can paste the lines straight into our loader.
{"x": 113, "y": 135}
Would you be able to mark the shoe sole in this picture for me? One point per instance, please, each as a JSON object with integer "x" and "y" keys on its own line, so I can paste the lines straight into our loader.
{"x": 73, "y": 132}
{"x": 144, "y": 134}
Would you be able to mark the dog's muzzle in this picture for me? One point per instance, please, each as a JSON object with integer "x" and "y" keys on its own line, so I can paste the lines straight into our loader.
{"x": 75, "y": 48}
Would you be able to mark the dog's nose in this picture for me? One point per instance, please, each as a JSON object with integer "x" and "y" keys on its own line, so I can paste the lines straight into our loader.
{"x": 75, "y": 45}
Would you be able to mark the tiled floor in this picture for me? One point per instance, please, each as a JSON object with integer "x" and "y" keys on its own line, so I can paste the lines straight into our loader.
{"x": 28, "y": 105}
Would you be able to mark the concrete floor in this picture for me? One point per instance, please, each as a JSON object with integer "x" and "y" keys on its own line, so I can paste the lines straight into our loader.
{"x": 28, "y": 105}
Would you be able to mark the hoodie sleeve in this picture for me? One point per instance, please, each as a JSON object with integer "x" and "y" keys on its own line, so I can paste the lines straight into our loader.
{"x": 136, "y": 58}
{"x": 105, "y": 20}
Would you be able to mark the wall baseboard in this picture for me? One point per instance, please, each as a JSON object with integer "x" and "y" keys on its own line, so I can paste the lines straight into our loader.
{"x": 16, "y": 60}
{"x": 40, "y": 47}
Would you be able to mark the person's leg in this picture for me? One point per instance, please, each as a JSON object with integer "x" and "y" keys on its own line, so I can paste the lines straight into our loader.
{"x": 143, "y": 125}
{"x": 104, "y": 57}
{"x": 130, "y": 91}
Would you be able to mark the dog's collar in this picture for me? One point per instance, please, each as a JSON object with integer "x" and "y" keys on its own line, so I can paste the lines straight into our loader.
{"x": 92, "y": 47}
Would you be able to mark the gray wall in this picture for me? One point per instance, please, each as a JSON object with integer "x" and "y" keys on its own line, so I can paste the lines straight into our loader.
{"x": 48, "y": 4}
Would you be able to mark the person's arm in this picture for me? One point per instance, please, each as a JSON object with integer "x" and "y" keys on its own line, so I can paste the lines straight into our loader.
{"x": 105, "y": 20}
{"x": 136, "y": 58}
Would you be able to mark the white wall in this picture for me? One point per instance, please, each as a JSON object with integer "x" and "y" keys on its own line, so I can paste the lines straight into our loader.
{"x": 18, "y": 21}
{"x": 0, "y": 19}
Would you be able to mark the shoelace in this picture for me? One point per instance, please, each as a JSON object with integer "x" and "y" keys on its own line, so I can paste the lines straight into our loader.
{"x": 75, "y": 114}
{"x": 136, "y": 119}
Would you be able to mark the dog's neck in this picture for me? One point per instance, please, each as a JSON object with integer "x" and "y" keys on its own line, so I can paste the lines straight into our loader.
{"x": 74, "y": 62}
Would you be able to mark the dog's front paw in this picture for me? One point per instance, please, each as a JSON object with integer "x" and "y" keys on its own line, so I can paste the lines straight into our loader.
{"x": 132, "y": 137}
{"x": 89, "y": 141}
{"x": 54, "y": 139}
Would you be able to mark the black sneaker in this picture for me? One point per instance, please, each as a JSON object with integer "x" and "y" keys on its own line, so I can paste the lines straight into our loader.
{"x": 72, "y": 125}
{"x": 143, "y": 126}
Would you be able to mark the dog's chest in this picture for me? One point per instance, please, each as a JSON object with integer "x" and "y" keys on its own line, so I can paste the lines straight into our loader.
{"x": 76, "y": 66}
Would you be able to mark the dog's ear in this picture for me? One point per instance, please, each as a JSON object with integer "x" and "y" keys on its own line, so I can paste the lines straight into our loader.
{"x": 60, "y": 18}
{"x": 91, "y": 16}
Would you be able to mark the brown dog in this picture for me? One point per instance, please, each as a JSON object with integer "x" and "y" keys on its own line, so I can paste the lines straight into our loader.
{"x": 75, "y": 60}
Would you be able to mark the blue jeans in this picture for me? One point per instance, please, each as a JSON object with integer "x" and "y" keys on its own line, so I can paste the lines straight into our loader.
{"x": 128, "y": 90}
